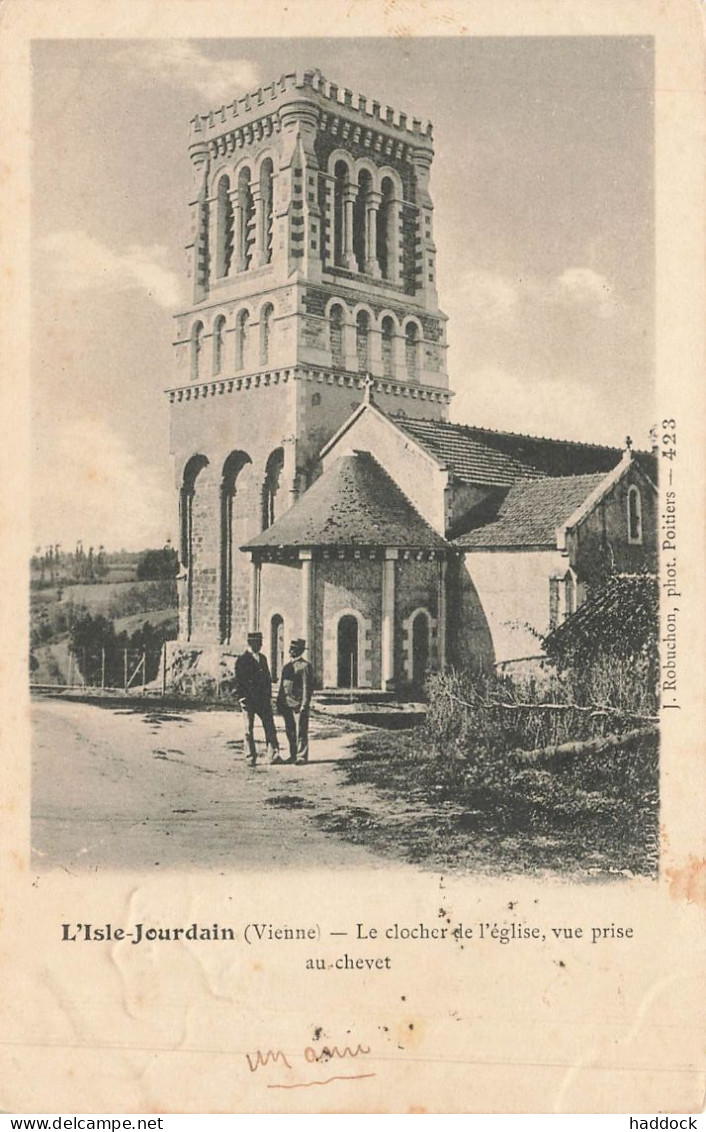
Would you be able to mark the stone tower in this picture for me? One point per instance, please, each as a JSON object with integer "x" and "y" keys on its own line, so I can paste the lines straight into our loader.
{"x": 311, "y": 265}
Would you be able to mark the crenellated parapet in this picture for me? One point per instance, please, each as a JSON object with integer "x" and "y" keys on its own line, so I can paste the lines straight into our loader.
{"x": 260, "y": 111}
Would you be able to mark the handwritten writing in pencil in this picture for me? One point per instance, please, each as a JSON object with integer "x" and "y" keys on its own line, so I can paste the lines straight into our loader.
{"x": 262, "y": 1058}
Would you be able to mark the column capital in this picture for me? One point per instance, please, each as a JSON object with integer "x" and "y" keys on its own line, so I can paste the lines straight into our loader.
{"x": 391, "y": 553}
{"x": 306, "y": 555}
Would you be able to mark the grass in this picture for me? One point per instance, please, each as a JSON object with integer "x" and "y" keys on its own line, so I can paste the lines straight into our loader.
{"x": 592, "y": 815}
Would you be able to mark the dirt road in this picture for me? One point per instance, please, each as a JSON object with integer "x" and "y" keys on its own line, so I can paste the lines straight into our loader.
{"x": 140, "y": 788}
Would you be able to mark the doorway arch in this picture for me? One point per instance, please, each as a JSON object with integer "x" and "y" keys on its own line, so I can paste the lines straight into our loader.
{"x": 420, "y": 648}
{"x": 347, "y": 649}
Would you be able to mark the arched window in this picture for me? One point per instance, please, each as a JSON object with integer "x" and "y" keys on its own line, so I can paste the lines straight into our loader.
{"x": 196, "y": 350}
{"x": 347, "y": 652}
{"x": 247, "y": 217}
{"x": 340, "y": 174}
{"x": 232, "y": 468}
{"x": 412, "y": 351}
{"x": 385, "y": 234}
{"x": 224, "y": 228}
{"x": 266, "y": 173}
{"x": 241, "y": 339}
{"x": 266, "y": 315}
{"x": 362, "y": 332}
{"x": 634, "y": 515}
{"x": 360, "y": 219}
{"x": 276, "y": 646}
{"x": 219, "y": 337}
{"x": 336, "y": 321}
{"x": 388, "y": 341}
{"x": 186, "y": 529}
{"x": 271, "y": 486}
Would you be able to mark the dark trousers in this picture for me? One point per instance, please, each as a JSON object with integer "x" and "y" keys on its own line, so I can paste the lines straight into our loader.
{"x": 296, "y": 724}
{"x": 264, "y": 712}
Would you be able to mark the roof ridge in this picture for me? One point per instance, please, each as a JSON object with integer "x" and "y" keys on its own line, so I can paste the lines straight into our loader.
{"x": 465, "y": 427}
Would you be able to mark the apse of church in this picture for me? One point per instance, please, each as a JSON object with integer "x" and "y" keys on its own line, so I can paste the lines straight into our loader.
{"x": 311, "y": 266}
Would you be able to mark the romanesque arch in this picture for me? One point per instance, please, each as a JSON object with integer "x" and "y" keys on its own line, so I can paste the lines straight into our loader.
{"x": 196, "y": 350}
{"x": 219, "y": 340}
{"x": 192, "y": 470}
{"x": 267, "y": 314}
{"x": 266, "y": 181}
{"x": 224, "y": 227}
{"x": 242, "y": 327}
{"x": 232, "y": 469}
{"x": 271, "y": 506}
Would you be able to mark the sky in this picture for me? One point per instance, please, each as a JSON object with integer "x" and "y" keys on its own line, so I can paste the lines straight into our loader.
{"x": 543, "y": 191}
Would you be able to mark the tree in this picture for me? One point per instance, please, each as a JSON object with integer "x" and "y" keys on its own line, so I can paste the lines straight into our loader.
{"x": 156, "y": 564}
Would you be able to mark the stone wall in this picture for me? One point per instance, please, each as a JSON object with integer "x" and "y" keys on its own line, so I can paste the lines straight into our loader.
{"x": 349, "y": 585}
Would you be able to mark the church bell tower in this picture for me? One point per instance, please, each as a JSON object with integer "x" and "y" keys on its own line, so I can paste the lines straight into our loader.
{"x": 311, "y": 267}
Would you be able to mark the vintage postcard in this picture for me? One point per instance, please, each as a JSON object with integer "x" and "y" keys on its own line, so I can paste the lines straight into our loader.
{"x": 352, "y": 716}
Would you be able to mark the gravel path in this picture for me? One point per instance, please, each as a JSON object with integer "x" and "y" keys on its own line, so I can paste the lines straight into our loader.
{"x": 117, "y": 788}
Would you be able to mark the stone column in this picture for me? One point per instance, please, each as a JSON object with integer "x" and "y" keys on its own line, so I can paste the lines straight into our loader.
{"x": 349, "y": 197}
{"x": 372, "y": 267}
{"x": 306, "y": 557}
{"x": 388, "y": 619}
{"x": 254, "y": 610}
{"x": 441, "y": 617}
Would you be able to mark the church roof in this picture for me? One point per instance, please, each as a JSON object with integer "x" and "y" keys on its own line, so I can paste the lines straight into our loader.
{"x": 483, "y": 456}
{"x": 353, "y": 503}
{"x": 529, "y": 513}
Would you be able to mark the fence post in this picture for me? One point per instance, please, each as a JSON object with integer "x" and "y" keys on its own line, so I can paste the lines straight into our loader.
{"x": 164, "y": 668}
{"x": 144, "y": 671}
{"x": 125, "y": 668}
{"x": 103, "y": 668}
{"x": 85, "y": 670}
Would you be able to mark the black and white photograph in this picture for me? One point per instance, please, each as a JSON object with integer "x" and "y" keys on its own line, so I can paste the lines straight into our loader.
{"x": 345, "y": 521}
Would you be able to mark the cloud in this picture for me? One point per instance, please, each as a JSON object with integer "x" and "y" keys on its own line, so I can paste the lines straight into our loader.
{"x": 499, "y": 299}
{"x": 94, "y": 487}
{"x": 584, "y": 287}
{"x": 180, "y": 63}
{"x": 80, "y": 263}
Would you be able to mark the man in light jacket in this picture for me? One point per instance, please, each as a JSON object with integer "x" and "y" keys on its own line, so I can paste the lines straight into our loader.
{"x": 293, "y": 700}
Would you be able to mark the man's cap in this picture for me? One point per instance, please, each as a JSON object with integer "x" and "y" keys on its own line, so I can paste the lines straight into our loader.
{"x": 253, "y": 637}
{"x": 297, "y": 645}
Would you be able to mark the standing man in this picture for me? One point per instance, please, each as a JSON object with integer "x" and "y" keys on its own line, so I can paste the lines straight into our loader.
{"x": 254, "y": 690}
{"x": 293, "y": 700}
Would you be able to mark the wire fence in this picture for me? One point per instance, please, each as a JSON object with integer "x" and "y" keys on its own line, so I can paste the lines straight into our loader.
{"x": 114, "y": 669}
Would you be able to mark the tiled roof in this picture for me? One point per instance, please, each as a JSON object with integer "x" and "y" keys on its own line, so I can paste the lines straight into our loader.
{"x": 469, "y": 459}
{"x": 481, "y": 455}
{"x": 528, "y": 514}
{"x": 353, "y": 503}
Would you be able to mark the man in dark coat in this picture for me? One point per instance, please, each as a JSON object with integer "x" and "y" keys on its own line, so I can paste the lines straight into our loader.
{"x": 254, "y": 690}
{"x": 293, "y": 700}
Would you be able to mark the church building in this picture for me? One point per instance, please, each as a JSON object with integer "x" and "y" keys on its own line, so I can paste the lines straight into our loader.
{"x": 323, "y": 492}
